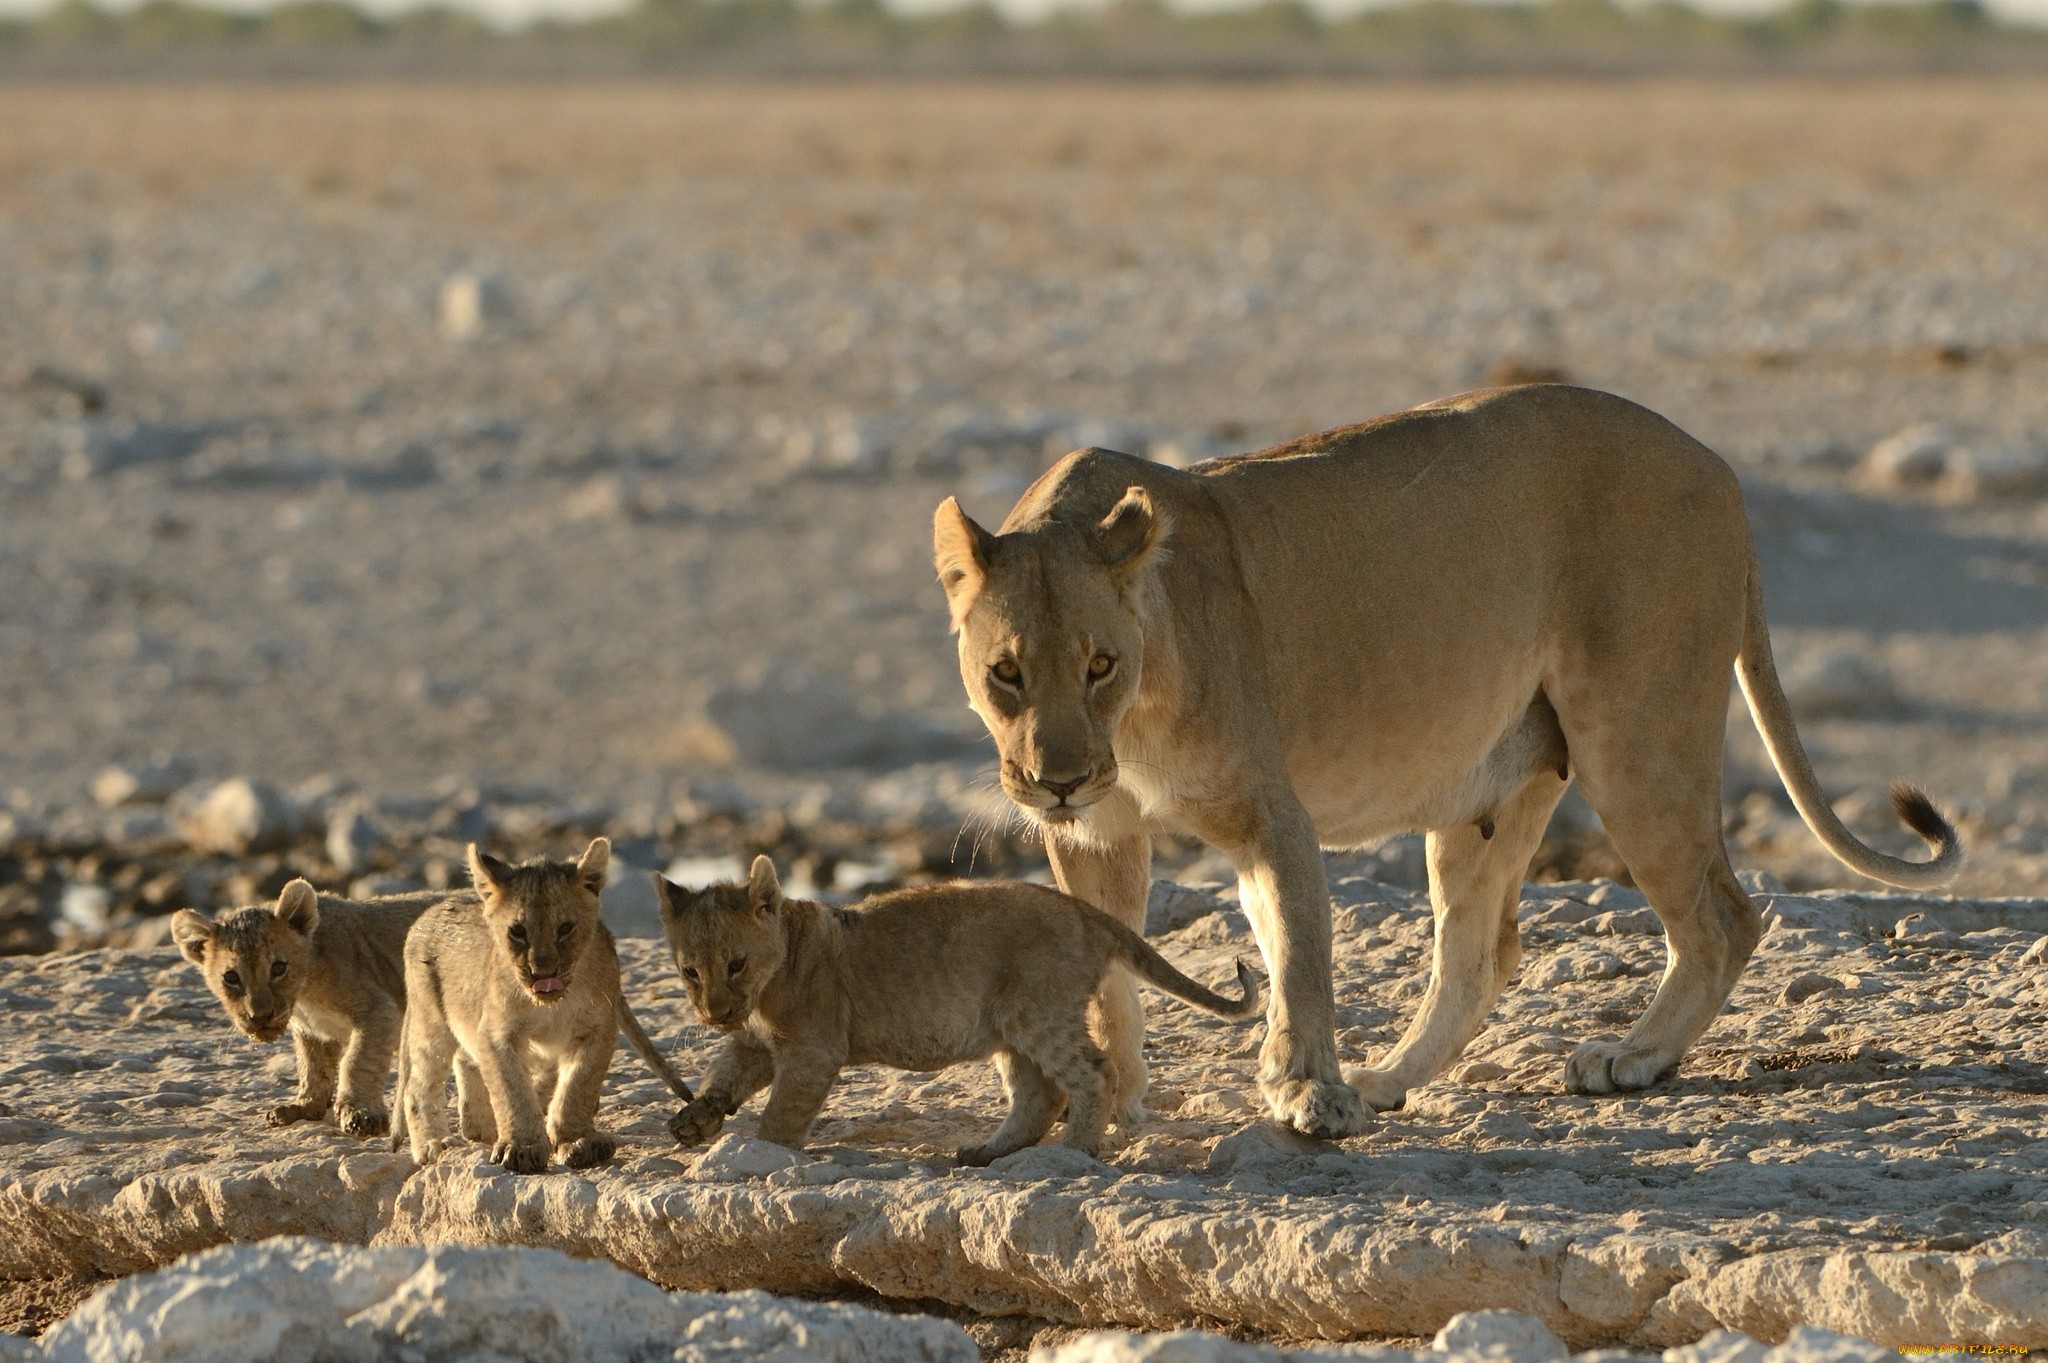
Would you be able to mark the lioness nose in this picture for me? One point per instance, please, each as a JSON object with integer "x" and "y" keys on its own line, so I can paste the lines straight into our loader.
{"x": 1063, "y": 788}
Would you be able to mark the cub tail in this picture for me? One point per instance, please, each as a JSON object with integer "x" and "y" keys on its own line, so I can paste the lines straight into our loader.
{"x": 1135, "y": 952}
{"x": 656, "y": 1061}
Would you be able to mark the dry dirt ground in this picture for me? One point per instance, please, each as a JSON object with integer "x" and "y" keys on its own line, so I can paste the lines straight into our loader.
{"x": 532, "y": 460}
{"x": 1856, "y": 1144}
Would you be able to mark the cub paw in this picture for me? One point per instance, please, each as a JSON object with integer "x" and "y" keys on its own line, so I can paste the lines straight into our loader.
{"x": 519, "y": 1158}
{"x": 976, "y": 1157}
{"x": 1324, "y": 1108}
{"x": 1381, "y": 1091}
{"x": 697, "y": 1123}
{"x": 287, "y": 1113}
{"x": 1614, "y": 1067}
{"x": 589, "y": 1151}
{"x": 362, "y": 1121}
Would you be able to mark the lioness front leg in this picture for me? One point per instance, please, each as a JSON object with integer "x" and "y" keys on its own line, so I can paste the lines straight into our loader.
{"x": 1115, "y": 877}
{"x": 1286, "y": 897}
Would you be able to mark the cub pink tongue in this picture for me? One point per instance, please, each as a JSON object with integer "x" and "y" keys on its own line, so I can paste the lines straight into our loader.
{"x": 550, "y": 985}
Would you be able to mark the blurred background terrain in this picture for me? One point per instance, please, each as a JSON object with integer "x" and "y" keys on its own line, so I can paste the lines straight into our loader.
{"x": 390, "y": 462}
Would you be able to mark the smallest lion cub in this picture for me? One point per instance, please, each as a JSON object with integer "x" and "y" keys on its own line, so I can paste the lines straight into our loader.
{"x": 918, "y": 979}
{"x": 329, "y": 969}
{"x": 516, "y": 983}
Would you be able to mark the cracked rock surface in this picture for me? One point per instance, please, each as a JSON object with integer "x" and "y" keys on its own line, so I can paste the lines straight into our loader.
{"x": 1863, "y": 1156}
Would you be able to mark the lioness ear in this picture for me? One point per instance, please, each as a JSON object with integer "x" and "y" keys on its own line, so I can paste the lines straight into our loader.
{"x": 486, "y": 872}
{"x": 763, "y": 886}
{"x": 298, "y": 907}
{"x": 192, "y": 931}
{"x": 595, "y": 864}
{"x": 960, "y": 550}
{"x": 1126, "y": 537}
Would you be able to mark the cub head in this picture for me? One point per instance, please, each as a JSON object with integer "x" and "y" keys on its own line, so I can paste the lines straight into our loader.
{"x": 255, "y": 959}
{"x": 1051, "y": 643}
{"x": 728, "y": 941}
{"x": 542, "y": 914}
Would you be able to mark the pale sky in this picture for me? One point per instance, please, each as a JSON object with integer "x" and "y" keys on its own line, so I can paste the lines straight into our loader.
{"x": 511, "y": 13}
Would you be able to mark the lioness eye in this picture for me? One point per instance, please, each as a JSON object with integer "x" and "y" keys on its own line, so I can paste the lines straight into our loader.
{"x": 233, "y": 980}
{"x": 1100, "y": 666}
{"x": 737, "y": 964}
{"x": 1007, "y": 672}
{"x": 277, "y": 969}
{"x": 690, "y": 974}
{"x": 564, "y": 931}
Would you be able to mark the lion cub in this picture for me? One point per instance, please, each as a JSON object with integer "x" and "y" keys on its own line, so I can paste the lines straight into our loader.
{"x": 918, "y": 980}
{"x": 517, "y": 985}
{"x": 329, "y": 969}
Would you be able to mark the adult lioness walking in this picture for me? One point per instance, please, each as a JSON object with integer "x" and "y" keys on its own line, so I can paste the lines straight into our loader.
{"x": 1423, "y": 622}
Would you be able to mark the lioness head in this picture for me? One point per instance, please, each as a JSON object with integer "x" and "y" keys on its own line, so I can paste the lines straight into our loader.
{"x": 1051, "y": 645}
{"x": 728, "y": 941}
{"x": 255, "y": 959}
{"x": 541, "y": 914}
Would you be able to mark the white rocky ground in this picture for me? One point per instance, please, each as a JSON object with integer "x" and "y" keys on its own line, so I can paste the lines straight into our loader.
{"x": 295, "y": 1300}
{"x": 1856, "y": 1145}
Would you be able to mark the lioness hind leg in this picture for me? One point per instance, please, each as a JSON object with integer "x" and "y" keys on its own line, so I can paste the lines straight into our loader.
{"x": 1651, "y": 768}
{"x": 1475, "y": 885}
{"x": 1034, "y": 1100}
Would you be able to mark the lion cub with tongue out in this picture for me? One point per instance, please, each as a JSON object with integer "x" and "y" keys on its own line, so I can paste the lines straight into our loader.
{"x": 517, "y": 983}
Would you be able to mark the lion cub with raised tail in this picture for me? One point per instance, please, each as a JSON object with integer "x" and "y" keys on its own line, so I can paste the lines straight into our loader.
{"x": 328, "y": 969}
{"x": 918, "y": 979}
{"x": 517, "y": 985}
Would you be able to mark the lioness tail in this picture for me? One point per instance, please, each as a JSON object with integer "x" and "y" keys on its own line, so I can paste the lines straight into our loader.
{"x": 1758, "y": 673}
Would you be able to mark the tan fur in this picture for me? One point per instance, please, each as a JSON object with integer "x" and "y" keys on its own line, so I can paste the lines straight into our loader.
{"x": 1421, "y": 622}
{"x": 516, "y": 984}
{"x": 329, "y": 970}
{"x": 917, "y": 980}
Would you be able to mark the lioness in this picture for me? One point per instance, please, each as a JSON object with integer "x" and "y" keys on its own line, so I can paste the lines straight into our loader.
{"x": 516, "y": 984}
{"x": 1427, "y": 621}
{"x": 919, "y": 979}
{"x": 329, "y": 969}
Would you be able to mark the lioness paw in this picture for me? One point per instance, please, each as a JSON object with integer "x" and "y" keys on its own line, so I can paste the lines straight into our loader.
{"x": 287, "y": 1113}
{"x": 589, "y": 1151}
{"x": 1614, "y": 1067}
{"x": 1318, "y": 1107}
{"x": 519, "y": 1158}
{"x": 1381, "y": 1090}
{"x": 362, "y": 1121}
{"x": 697, "y": 1123}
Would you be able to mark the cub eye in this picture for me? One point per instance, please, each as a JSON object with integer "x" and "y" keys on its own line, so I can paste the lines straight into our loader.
{"x": 233, "y": 980}
{"x": 1007, "y": 672}
{"x": 690, "y": 974}
{"x": 1100, "y": 667}
{"x": 517, "y": 932}
{"x": 564, "y": 930}
{"x": 736, "y": 965}
{"x": 277, "y": 969}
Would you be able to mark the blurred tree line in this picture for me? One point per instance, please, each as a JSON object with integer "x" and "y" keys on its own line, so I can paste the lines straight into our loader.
{"x": 1269, "y": 36}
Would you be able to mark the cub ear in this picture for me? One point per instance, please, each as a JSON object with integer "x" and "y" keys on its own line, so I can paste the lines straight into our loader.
{"x": 1132, "y": 530}
{"x": 193, "y": 932}
{"x": 486, "y": 873}
{"x": 671, "y": 898}
{"x": 595, "y": 864}
{"x": 298, "y": 907}
{"x": 764, "y": 888}
{"x": 961, "y": 551}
